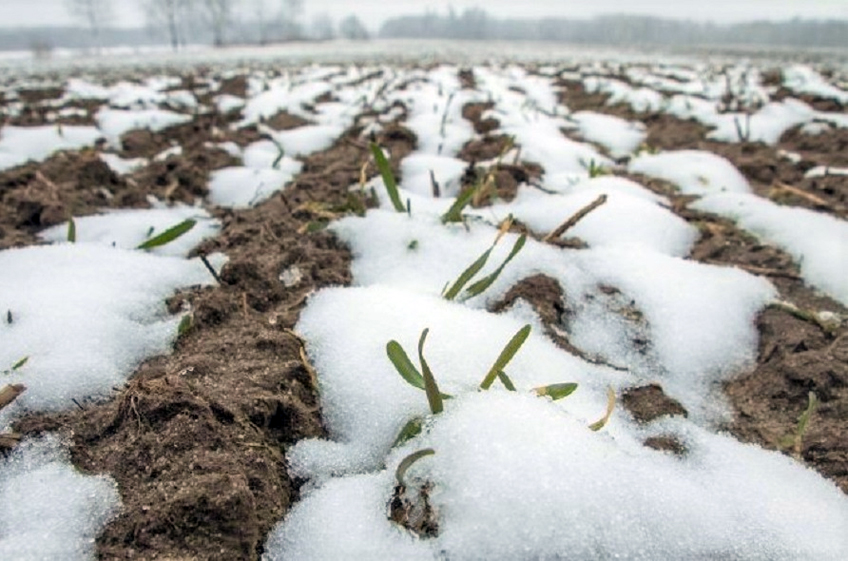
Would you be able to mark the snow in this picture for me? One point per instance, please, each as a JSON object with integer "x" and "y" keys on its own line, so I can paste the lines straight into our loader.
{"x": 123, "y": 166}
{"x": 824, "y": 171}
{"x": 128, "y": 229}
{"x": 641, "y": 100}
{"x": 816, "y": 241}
{"x": 620, "y": 138}
{"x": 694, "y": 172}
{"x": 115, "y": 122}
{"x": 242, "y": 187}
{"x": 86, "y": 315}
{"x": 802, "y": 79}
{"x": 19, "y": 145}
{"x": 48, "y": 510}
{"x": 415, "y": 174}
{"x": 308, "y": 139}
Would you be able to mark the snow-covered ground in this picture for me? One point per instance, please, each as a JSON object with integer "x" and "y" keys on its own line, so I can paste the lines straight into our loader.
{"x": 513, "y": 475}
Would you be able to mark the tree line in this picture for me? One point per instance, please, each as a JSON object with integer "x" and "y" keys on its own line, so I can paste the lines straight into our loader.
{"x": 216, "y": 21}
{"x": 616, "y": 30}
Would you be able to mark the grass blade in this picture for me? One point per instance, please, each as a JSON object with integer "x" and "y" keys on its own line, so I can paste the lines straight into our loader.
{"x": 388, "y": 177}
{"x": 409, "y": 431}
{"x": 484, "y": 283}
{"x": 408, "y": 461}
{"x": 403, "y": 365}
{"x": 467, "y": 275}
{"x": 72, "y": 230}
{"x": 169, "y": 235}
{"x": 434, "y": 397}
{"x": 506, "y": 355}
{"x": 506, "y": 381}
{"x": 20, "y": 364}
{"x": 556, "y": 391}
{"x": 598, "y": 425}
{"x": 454, "y": 213}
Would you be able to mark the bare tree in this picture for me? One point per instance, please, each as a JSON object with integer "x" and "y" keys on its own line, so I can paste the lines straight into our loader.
{"x": 323, "y": 28}
{"x": 352, "y": 28}
{"x": 219, "y": 17}
{"x": 292, "y": 10}
{"x": 170, "y": 14}
{"x": 96, "y": 14}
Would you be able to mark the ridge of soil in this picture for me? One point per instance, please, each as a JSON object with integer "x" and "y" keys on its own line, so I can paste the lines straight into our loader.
{"x": 795, "y": 357}
{"x": 196, "y": 440}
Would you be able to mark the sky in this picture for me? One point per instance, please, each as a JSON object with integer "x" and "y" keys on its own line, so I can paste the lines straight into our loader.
{"x": 20, "y": 13}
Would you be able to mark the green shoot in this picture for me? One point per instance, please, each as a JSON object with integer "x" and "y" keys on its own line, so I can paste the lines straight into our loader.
{"x": 434, "y": 398}
{"x": 281, "y": 153}
{"x": 480, "y": 286}
{"x": 506, "y": 355}
{"x": 17, "y": 366}
{"x": 72, "y": 230}
{"x": 408, "y": 461}
{"x": 169, "y": 235}
{"x": 185, "y": 325}
{"x": 505, "y": 380}
{"x": 795, "y": 441}
{"x": 556, "y": 391}
{"x": 467, "y": 275}
{"x": 409, "y": 431}
{"x": 602, "y": 422}
{"x": 413, "y": 245}
{"x": 595, "y": 169}
{"x": 454, "y": 213}
{"x": 403, "y": 365}
{"x": 388, "y": 177}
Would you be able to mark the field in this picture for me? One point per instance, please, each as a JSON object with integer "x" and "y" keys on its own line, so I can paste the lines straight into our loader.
{"x": 416, "y": 302}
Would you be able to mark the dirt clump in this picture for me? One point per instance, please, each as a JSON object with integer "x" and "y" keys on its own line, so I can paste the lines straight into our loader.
{"x": 284, "y": 121}
{"x": 648, "y": 403}
{"x": 473, "y": 112}
{"x": 196, "y": 440}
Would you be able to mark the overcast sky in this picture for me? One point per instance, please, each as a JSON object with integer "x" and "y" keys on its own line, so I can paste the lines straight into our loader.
{"x": 18, "y": 13}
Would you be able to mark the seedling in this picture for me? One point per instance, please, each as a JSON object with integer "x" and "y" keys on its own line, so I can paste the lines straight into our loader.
{"x": 17, "y": 366}
{"x": 602, "y": 422}
{"x": 169, "y": 235}
{"x": 72, "y": 230}
{"x": 595, "y": 169}
{"x": 388, "y": 177}
{"x": 795, "y": 441}
{"x": 407, "y": 463}
{"x": 281, "y": 153}
{"x": 471, "y": 271}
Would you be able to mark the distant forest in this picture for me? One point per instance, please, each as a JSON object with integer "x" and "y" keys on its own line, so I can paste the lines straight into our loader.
{"x": 618, "y": 30}
{"x": 473, "y": 24}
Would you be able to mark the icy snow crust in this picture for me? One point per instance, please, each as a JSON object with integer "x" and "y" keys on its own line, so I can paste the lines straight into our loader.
{"x": 515, "y": 476}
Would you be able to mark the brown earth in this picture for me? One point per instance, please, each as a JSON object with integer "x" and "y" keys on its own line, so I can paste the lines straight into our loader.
{"x": 196, "y": 440}
{"x": 771, "y": 175}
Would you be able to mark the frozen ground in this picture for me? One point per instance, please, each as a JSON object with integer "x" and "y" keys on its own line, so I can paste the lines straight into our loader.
{"x": 513, "y": 475}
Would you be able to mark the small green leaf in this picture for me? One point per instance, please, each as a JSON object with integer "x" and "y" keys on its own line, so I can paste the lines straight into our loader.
{"x": 506, "y": 381}
{"x": 20, "y": 364}
{"x": 72, "y": 230}
{"x": 388, "y": 177}
{"x": 467, "y": 275}
{"x": 434, "y": 397}
{"x": 454, "y": 213}
{"x": 556, "y": 391}
{"x": 169, "y": 235}
{"x": 185, "y": 325}
{"x": 506, "y": 355}
{"x": 407, "y": 462}
{"x": 403, "y": 365}
{"x": 598, "y": 425}
{"x": 413, "y": 245}
{"x": 409, "y": 431}
{"x": 484, "y": 283}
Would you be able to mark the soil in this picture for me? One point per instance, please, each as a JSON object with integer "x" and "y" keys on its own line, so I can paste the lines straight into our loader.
{"x": 196, "y": 440}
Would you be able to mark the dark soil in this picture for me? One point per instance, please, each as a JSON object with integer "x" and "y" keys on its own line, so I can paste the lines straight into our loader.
{"x": 196, "y": 440}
